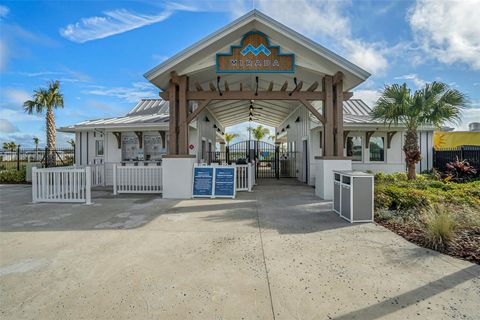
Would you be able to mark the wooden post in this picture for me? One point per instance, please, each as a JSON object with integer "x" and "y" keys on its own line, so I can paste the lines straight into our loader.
{"x": 182, "y": 116}
{"x": 173, "y": 146}
{"x": 328, "y": 149}
{"x": 339, "y": 117}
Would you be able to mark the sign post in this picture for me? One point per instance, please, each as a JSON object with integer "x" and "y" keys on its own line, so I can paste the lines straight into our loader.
{"x": 225, "y": 185}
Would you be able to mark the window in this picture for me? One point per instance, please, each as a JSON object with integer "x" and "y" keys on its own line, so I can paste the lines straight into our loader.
{"x": 377, "y": 149}
{"x": 153, "y": 147}
{"x": 129, "y": 148}
{"x": 354, "y": 148}
{"x": 99, "y": 148}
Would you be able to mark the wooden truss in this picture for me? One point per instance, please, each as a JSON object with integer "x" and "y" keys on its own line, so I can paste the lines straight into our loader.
{"x": 333, "y": 96}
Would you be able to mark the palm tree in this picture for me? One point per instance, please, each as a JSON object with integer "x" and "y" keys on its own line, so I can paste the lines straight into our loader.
{"x": 260, "y": 132}
{"x": 434, "y": 104}
{"x": 46, "y": 99}
{"x": 230, "y": 136}
{"x": 10, "y": 146}
{"x": 71, "y": 142}
{"x": 36, "y": 141}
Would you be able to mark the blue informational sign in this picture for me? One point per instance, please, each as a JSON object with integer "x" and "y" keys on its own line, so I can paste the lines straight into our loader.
{"x": 203, "y": 182}
{"x": 225, "y": 182}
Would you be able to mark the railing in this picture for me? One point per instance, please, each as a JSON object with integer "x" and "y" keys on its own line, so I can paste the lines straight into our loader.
{"x": 137, "y": 179}
{"x": 61, "y": 184}
{"x": 18, "y": 158}
{"x": 245, "y": 177}
{"x": 98, "y": 175}
{"x": 443, "y": 156}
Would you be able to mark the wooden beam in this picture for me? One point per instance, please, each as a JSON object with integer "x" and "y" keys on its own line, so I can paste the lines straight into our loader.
{"x": 328, "y": 113}
{"x": 198, "y": 86}
{"x": 270, "y": 86}
{"x": 337, "y": 77}
{"x": 338, "y": 111}
{"x": 314, "y": 111}
{"x": 139, "y": 135}
{"x": 390, "y": 135}
{"x": 172, "y": 147}
{"x": 212, "y": 86}
{"x": 368, "y": 135}
{"x": 164, "y": 95}
{"x": 250, "y": 95}
{"x": 202, "y": 105}
{"x": 162, "y": 136}
{"x": 347, "y": 96}
{"x": 118, "y": 135}
{"x": 285, "y": 86}
{"x": 174, "y": 78}
{"x": 313, "y": 86}
{"x": 182, "y": 116}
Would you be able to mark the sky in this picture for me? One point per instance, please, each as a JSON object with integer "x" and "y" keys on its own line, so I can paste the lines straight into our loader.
{"x": 99, "y": 50}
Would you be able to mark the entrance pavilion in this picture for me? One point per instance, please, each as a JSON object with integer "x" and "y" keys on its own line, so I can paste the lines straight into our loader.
{"x": 256, "y": 69}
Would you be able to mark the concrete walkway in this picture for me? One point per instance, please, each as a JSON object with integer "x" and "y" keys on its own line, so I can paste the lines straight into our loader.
{"x": 277, "y": 253}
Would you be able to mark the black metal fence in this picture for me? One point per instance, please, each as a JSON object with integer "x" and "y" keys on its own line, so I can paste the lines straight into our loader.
{"x": 18, "y": 158}
{"x": 443, "y": 156}
{"x": 270, "y": 161}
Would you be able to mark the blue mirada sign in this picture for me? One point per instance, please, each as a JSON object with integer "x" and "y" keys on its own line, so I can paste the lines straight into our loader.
{"x": 255, "y": 55}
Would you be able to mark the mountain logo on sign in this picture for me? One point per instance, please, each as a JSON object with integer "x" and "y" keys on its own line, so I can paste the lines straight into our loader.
{"x": 255, "y": 51}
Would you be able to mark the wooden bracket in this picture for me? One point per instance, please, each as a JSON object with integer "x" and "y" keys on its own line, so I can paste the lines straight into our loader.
{"x": 390, "y": 135}
{"x": 118, "y": 135}
{"x": 162, "y": 136}
{"x": 201, "y": 106}
{"x": 345, "y": 135}
{"x": 140, "y": 138}
{"x": 369, "y": 134}
{"x": 314, "y": 111}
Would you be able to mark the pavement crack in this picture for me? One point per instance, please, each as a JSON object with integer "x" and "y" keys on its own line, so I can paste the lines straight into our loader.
{"x": 263, "y": 256}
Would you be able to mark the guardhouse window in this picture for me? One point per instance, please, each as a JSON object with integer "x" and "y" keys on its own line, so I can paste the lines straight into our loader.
{"x": 153, "y": 147}
{"x": 354, "y": 148}
{"x": 130, "y": 148}
{"x": 377, "y": 149}
{"x": 99, "y": 151}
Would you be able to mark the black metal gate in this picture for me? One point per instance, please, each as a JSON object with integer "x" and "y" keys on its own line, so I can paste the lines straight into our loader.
{"x": 271, "y": 161}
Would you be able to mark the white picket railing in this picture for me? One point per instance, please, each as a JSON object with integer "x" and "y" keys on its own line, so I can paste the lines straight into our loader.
{"x": 98, "y": 174}
{"x": 137, "y": 179}
{"x": 61, "y": 184}
{"x": 245, "y": 177}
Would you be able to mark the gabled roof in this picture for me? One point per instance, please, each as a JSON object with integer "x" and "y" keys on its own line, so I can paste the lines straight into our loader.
{"x": 232, "y": 32}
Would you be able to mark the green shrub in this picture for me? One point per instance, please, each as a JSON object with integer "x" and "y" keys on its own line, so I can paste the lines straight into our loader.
{"x": 440, "y": 228}
{"x": 13, "y": 176}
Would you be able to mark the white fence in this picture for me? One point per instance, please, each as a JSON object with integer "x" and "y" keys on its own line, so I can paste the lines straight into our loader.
{"x": 62, "y": 184}
{"x": 137, "y": 179}
{"x": 245, "y": 177}
{"x": 98, "y": 175}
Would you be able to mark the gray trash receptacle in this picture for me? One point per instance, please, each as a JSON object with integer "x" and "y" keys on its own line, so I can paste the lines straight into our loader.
{"x": 353, "y": 195}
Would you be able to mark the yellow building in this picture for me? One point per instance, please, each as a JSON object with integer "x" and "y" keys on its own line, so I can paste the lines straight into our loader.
{"x": 442, "y": 140}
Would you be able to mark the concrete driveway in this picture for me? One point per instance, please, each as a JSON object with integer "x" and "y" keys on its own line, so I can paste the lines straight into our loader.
{"x": 277, "y": 253}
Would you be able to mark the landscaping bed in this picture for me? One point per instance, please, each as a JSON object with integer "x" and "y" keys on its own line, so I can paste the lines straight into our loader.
{"x": 434, "y": 213}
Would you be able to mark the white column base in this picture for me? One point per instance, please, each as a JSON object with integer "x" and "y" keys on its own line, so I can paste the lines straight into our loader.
{"x": 177, "y": 175}
{"x": 324, "y": 175}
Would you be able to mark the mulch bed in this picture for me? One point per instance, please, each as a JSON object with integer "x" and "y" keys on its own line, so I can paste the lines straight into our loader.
{"x": 465, "y": 244}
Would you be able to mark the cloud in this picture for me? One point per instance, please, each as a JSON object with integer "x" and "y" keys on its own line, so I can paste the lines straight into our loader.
{"x": 448, "y": 31}
{"x": 7, "y": 127}
{"x": 15, "y": 96}
{"x": 132, "y": 94}
{"x": 3, "y": 12}
{"x": 19, "y": 115}
{"x": 417, "y": 81}
{"x": 369, "y": 96}
{"x": 111, "y": 23}
{"x": 324, "y": 20}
